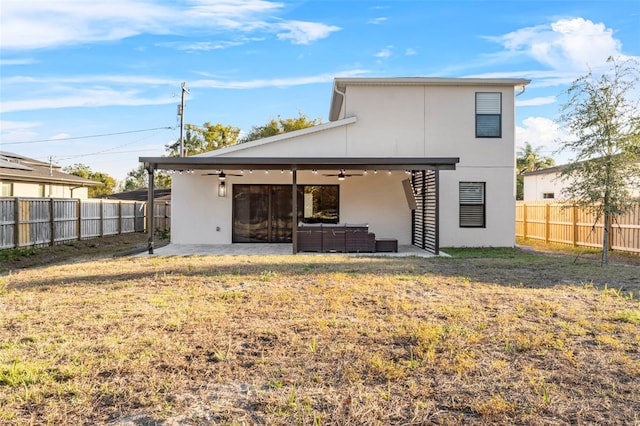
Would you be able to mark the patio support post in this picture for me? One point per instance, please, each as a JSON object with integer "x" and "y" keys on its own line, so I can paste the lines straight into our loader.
{"x": 150, "y": 208}
{"x": 294, "y": 213}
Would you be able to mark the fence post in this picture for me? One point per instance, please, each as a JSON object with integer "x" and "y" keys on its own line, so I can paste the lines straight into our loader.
{"x": 16, "y": 212}
{"x": 547, "y": 220}
{"x": 524, "y": 221}
{"x": 119, "y": 217}
{"x": 51, "y": 222}
{"x": 101, "y": 218}
{"x": 79, "y": 214}
{"x": 574, "y": 213}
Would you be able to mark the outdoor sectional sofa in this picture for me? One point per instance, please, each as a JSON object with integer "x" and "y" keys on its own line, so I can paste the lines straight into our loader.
{"x": 335, "y": 237}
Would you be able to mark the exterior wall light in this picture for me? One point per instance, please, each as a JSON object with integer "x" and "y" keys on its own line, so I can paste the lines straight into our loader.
{"x": 222, "y": 189}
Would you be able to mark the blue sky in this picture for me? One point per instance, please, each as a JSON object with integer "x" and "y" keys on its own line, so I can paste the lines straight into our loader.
{"x": 76, "y": 68}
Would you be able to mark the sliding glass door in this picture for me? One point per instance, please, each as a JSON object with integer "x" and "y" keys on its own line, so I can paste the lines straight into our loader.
{"x": 263, "y": 213}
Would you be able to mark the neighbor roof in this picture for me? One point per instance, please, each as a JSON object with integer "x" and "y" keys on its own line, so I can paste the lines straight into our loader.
{"x": 14, "y": 167}
{"x": 340, "y": 85}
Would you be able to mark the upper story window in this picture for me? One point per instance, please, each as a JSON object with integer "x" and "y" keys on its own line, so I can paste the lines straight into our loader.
{"x": 488, "y": 115}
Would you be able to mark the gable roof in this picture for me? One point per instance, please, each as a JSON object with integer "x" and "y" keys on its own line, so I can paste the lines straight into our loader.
{"x": 340, "y": 85}
{"x": 15, "y": 167}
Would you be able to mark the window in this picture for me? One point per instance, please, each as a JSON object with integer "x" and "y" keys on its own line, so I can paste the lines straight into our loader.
{"x": 488, "y": 115}
{"x": 320, "y": 203}
{"x": 548, "y": 195}
{"x": 6, "y": 189}
{"x": 472, "y": 205}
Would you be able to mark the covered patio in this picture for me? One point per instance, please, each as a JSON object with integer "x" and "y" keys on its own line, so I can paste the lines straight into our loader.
{"x": 270, "y": 249}
{"x": 423, "y": 191}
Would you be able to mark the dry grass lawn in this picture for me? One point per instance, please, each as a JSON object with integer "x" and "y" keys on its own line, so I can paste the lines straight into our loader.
{"x": 485, "y": 337}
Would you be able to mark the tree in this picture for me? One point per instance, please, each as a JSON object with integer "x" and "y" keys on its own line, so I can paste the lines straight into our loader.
{"x": 278, "y": 126}
{"x": 84, "y": 171}
{"x": 603, "y": 115}
{"x": 199, "y": 139}
{"x": 529, "y": 160}
{"x": 139, "y": 178}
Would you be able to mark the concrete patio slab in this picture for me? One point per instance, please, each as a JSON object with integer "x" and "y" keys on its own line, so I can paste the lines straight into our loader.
{"x": 265, "y": 249}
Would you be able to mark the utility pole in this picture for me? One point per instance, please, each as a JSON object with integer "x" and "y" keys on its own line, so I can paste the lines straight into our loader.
{"x": 184, "y": 90}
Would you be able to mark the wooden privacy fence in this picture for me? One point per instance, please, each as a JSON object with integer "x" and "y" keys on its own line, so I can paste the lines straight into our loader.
{"x": 48, "y": 221}
{"x": 561, "y": 223}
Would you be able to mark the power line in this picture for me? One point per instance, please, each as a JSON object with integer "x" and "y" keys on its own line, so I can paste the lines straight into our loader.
{"x": 86, "y": 137}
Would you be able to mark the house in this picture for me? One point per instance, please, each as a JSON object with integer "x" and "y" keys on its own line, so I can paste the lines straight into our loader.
{"x": 547, "y": 184}
{"x": 25, "y": 177}
{"x": 424, "y": 161}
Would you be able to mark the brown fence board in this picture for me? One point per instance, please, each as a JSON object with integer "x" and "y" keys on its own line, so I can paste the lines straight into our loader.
{"x": 577, "y": 226}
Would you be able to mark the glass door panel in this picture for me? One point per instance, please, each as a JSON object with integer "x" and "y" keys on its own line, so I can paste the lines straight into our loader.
{"x": 281, "y": 206}
{"x": 250, "y": 213}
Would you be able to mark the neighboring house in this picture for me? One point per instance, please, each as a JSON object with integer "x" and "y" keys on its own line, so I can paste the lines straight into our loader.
{"x": 547, "y": 184}
{"x": 25, "y": 177}
{"x": 451, "y": 139}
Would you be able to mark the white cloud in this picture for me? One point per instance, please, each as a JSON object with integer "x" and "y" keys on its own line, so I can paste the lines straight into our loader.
{"x": 384, "y": 53}
{"x": 379, "y": 20}
{"x": 410, "y": 52}
{"x": 45, "y": 24}
{"x": 276, "y": 82}
{"x": 539, "y": 132}
{"x": 13, "y": 62}
{"x": 300, "y": 32}
{"x": 12, "y": 131}
{"x": 60, "y": 136}
{"x": 203, "y": 46}
{"x": 93, "y": 97}
{"x": 573, "y": 45}
{"x": 123, "y": 90}
{"x": 542, "y": 100}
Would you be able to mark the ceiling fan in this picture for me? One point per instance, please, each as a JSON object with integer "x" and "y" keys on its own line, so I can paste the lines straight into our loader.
{"x": 221, "y": 174}
{"x": 343, "y": 175}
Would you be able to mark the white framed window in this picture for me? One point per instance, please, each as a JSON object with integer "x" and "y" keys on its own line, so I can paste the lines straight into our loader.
{"x": 472, "y": 205}
{"x": 488, "y": 115}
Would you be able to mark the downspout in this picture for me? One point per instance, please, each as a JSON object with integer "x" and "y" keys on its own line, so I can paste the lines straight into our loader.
{"x": 524, "y": 87}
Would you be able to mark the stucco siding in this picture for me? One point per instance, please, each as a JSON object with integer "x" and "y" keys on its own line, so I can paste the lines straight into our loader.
{"x": 376, "y": 199}
{"x": 499, "y": 205}
{"x": 390, "y": 121}
{"x": 328, "y": 143}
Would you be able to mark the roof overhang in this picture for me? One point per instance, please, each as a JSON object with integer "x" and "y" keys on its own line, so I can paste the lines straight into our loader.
{"x": 340, "y": 85}
{"x": 300, "y": 163}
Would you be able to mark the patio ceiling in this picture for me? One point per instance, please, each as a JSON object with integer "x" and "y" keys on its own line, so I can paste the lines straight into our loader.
{"x": 300, "y": 163}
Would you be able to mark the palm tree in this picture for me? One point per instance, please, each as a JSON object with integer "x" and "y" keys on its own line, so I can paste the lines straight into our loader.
{"x": 529, "y": 159}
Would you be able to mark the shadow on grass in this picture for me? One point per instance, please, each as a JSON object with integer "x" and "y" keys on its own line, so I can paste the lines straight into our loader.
{"x": 509, "y": 267}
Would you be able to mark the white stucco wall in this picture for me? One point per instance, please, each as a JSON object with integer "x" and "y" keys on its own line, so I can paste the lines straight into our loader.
{"x": 392, "y": 121}
{"x": 536, "y": 185}
{"x": 375, "y": 199}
